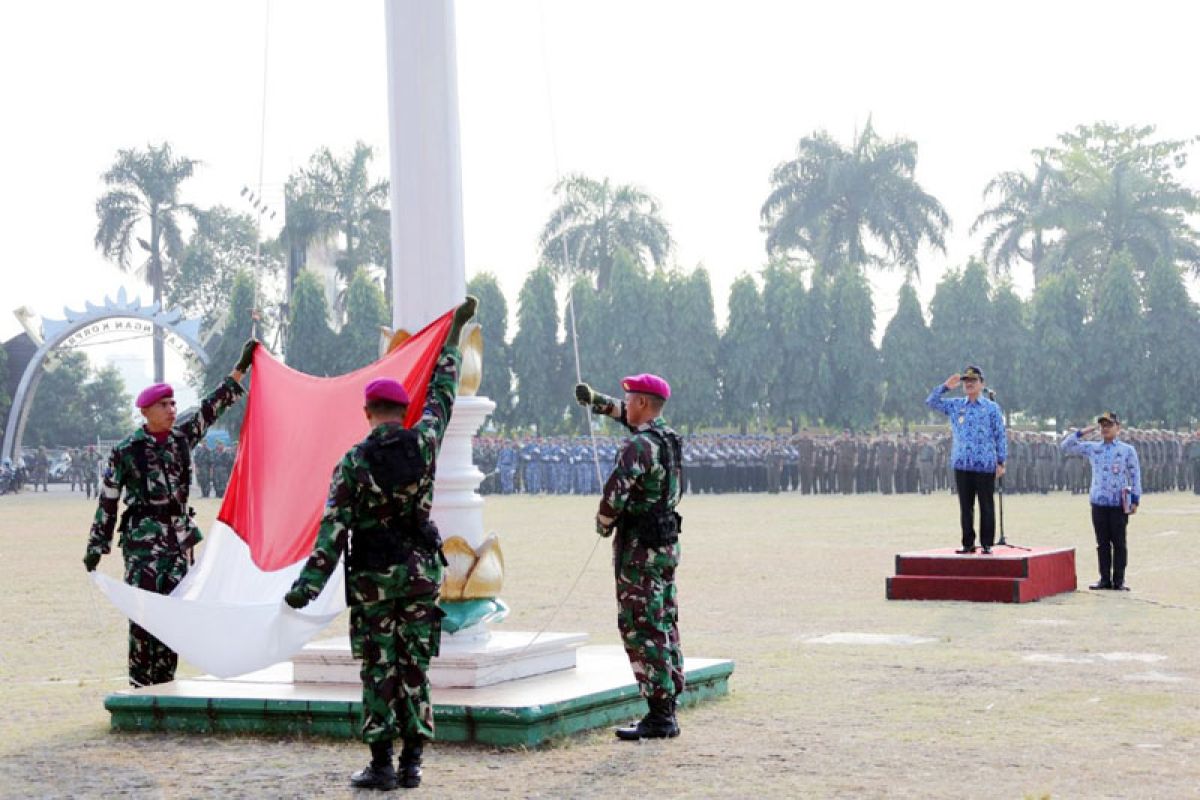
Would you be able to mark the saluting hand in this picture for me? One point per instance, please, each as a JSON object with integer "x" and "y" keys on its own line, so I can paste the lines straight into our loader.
{"x": 953, "y": 381}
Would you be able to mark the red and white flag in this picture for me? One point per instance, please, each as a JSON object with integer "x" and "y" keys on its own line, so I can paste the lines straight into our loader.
{"x": 227, "y": 616}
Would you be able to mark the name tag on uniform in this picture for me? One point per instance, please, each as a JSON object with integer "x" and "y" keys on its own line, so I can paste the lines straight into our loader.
{"x": 962, "y": 418}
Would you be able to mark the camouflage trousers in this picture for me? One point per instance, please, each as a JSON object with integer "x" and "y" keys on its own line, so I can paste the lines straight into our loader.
{"x": 648, "y": 616}
{"x": 396, "y": 640}
{"x": 151, "y": 661}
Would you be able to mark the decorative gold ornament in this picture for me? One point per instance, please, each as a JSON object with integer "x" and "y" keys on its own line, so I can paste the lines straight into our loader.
{"x": 471, "y": 343}
{"x": 472, "y": 574}
{"x": 389, "y": 340}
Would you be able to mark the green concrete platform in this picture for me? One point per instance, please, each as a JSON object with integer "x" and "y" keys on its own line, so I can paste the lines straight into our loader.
{"x": 599, "y": 691}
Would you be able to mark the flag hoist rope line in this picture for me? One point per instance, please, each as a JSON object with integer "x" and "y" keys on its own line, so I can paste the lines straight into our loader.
{"x": 587, "y": 414}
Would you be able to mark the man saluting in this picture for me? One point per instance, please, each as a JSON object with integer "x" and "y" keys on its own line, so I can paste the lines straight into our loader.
{"x": 978, "y": 453}
{"x": 1115, "y": 494}
{"x": 639, "y": 504}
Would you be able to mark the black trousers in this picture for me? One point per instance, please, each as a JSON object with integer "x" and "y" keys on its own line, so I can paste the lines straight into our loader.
{"x": 1110, "y": 522}
{"x": 972, "y": 485}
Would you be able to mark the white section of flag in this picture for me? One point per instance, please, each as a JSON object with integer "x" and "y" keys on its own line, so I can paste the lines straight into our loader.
{"x": 227, "y": 616}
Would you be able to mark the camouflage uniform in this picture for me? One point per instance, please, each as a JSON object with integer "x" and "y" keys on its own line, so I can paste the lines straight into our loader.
{"x": 647, "y": 609}
{"x": 41, "y": 469}
{"x": 91, "y": 460}
{"x": 203, "y": 459}
{"x": 157, "y": 531}
{"x": 222, "y": 468}
{"x": 395, "y": 622}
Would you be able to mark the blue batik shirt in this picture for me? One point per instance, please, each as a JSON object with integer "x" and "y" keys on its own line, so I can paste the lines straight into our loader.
{"x": 1115, "y": 467}
{"x": 979, "y": 440}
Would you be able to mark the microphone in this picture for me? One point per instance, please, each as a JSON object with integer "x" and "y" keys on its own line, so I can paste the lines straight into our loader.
{"x": 991, "y": 395}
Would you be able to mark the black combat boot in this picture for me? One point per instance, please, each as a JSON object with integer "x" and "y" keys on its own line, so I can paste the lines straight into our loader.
{"x": 410, "y": 763}
{"x": 658, "y": 724}
{"x": 379, "y": 774}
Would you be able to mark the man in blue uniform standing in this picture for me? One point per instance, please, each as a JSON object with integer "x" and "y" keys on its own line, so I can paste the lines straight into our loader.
{"x": 1115, "y": 494}
{"x": 978, "y": 454}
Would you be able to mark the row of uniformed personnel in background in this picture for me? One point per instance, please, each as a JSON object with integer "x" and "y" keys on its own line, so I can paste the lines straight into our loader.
{"x": 824, "y": 464}
{"x": 80, "y": 466}
{"x": 212, "y": 466}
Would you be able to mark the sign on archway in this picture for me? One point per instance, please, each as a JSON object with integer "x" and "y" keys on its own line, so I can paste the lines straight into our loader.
{"x": 76, "y": 327}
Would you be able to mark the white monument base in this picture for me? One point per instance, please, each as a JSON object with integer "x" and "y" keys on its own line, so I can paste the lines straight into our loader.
{"x": 469, "y": 663}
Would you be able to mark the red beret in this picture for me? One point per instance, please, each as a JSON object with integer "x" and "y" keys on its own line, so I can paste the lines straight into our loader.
{"x": 153, "y": 393}
{"x": 647, "y": 384}
{"x": 386, "y": 389}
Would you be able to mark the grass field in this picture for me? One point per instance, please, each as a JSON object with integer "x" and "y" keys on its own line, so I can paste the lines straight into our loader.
{"x": 1088, "y": 695}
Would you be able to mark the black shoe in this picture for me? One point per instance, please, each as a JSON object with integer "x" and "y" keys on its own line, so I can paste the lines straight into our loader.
{"x": 379, "y": 774}
{"x": 987, "y": 551}
{"x": 373, "y": 777}
{"x": 658, "y": 724}
{"x": 410, "y": 765}
{"x": 1120, "y": 587}
{"x": 965, "y": 550}
{"x": 1101, "y": 585}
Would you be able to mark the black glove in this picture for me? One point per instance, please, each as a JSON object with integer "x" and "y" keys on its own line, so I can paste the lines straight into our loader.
{"x": 584, "y": 394}
{"x": 296, "y": 598}
{"x": 247, "y": 355}
{"x": 462, "y": 315}
{"x": 90, "y": 561}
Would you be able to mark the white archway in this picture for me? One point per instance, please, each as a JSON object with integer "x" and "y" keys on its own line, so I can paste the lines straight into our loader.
{"x": 95, "y": 319}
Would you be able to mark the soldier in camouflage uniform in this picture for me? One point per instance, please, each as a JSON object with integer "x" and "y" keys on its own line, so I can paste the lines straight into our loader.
{"x": 203, "y": 459}
{"x": 638, "y": 504}
{"x": 75, "y": 468}
{"x": 222, "y": 468}
{"x": 91, "y": 461}
{"x": 378, "y": 515}
{"x": 153, "y": 467}
{"x": 41, "y": 469}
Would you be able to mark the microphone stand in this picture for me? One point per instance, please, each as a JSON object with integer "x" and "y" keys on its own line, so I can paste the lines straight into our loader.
{"x": 991, "y": 395}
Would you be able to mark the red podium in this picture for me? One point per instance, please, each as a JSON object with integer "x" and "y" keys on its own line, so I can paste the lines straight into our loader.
{"x": 1008, "y": 575}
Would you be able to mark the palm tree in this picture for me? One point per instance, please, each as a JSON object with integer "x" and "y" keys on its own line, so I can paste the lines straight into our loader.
{"x": 831, "y": 203}
{"x": 594, "y": 221}
{"x": 1025, "y": 209}
{"x": 144, "y": 189}
{"x": 345, "y": 199}
{"x": 1126, "y": 209}
{"x": 303, "y": 224}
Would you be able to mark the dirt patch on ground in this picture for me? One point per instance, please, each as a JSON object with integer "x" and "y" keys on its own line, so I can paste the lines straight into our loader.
{"x": 1081, "y": 695}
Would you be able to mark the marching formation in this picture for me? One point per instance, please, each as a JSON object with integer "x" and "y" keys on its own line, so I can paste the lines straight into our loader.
{"x": 813, "y": 463}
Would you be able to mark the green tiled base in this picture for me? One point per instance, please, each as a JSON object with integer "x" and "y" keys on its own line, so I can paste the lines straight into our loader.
{"x": 544, "y": 707}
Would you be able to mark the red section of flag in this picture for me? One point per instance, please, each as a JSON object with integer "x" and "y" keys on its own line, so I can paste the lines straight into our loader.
{"x": 297, "y": 428}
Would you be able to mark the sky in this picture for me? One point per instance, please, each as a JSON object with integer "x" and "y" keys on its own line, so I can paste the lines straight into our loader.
{"x": 696, "y": 102}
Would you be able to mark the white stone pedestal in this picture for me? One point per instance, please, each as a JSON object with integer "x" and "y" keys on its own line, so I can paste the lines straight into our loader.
{"x": 477, "y": 661}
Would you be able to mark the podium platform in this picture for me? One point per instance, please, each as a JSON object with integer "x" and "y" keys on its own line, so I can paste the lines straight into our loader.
{"x": 599, "y": 691}
{"x": 1007, "y": 575}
